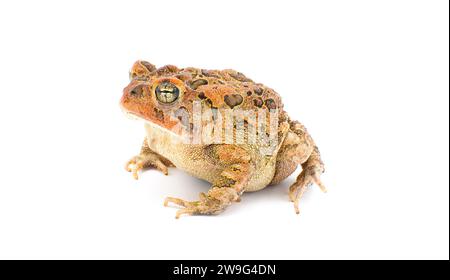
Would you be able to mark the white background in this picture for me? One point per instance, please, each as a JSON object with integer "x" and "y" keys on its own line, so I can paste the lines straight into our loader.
{"x": 368, "y": 78}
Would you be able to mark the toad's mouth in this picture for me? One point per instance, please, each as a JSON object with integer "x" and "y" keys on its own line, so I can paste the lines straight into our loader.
{"x": 150, "y": 124}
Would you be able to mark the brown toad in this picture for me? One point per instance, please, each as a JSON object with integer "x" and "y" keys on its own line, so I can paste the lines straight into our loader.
{"x": 221, "y": 127}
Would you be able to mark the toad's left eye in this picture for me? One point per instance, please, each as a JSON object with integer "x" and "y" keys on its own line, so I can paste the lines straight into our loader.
{"x": 167, "y": 93}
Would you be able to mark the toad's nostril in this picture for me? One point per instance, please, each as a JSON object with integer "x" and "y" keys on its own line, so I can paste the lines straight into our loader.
{"x": 137, "y": 91}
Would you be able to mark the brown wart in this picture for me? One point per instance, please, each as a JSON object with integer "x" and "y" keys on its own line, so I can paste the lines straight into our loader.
{"x": 183, "y": 76}
{"x": 159, "y": 114}
{"x": 270, "y": 103}
{"x": 150, "y": 67}
{"x": 197, "y": 83}
{"x": 233, "y": 100}
{"x": 210, "y": 103}
{"x": 239, "y": 77}
{"x": 168, "y": 69}
{"x": 208, "y": 73}
{"x": 259, "y": 91}
{"x": 258, "y": 102}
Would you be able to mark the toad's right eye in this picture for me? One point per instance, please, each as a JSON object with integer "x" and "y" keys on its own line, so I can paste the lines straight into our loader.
{"x": 167, "y": 93}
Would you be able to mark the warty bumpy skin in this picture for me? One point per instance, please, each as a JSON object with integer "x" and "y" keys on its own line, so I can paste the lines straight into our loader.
{"x": 160, "y": 96}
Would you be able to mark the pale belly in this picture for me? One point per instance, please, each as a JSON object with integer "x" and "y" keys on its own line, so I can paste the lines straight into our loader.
{"x": 193, "y": 160}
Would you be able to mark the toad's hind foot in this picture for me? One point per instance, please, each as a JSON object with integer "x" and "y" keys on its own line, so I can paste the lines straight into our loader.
{"x": 228, "y": 186}
{"x": 207, "y": 205}
{"x": 301, "y": 149}
{"x": 308, "y": 177}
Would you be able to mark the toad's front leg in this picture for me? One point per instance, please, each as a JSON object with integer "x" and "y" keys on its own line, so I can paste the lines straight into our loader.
{"x": 227, "y": 188}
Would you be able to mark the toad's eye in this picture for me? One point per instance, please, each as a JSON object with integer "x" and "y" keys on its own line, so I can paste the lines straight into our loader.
{"x": 167, "y": 93}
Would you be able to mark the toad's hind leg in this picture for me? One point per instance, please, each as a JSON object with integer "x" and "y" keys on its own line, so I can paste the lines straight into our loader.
{"x": 146, "y": 159}
{"x": 226, "y": 189}
{"x": 301, "y": 149}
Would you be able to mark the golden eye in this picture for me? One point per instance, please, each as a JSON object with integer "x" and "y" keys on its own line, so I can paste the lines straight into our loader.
{"x": 167, "y": 93}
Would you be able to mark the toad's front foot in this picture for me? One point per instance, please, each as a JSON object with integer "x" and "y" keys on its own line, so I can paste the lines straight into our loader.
{"x": 309, "y": 176}
{"x": 138, "y": 163}
{"x": 207, "y": 205}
